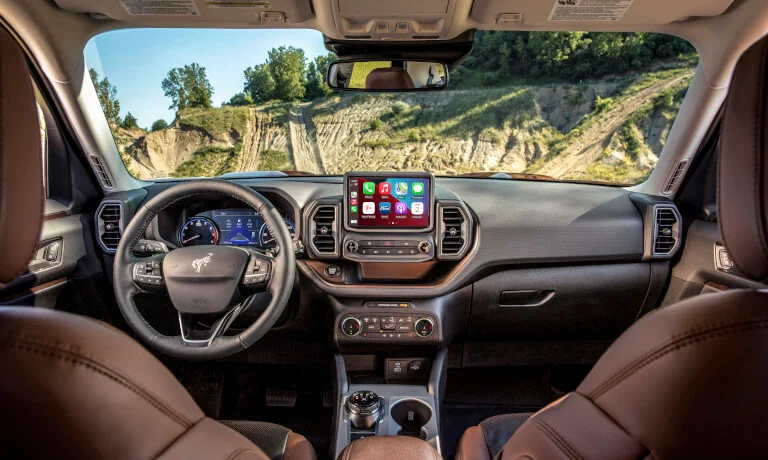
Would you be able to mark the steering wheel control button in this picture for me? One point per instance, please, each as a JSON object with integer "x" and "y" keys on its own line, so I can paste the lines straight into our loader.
{"x": 352, "y": 246}
{"x": 332, "y": 271}
{"x": 424, "y": 327}
{"x": 257, "y": 271}
{"x": 351, "y": 326}
{"x": 148, "y": 273}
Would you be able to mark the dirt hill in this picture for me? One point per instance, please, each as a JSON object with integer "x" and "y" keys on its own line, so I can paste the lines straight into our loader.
{"x": 603, "y": 130}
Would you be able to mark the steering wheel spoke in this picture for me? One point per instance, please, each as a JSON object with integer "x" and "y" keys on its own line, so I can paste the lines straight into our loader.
{"x": 147, "y": 273}
{"x": 257, "y": 273}
{"x": 202, "y": 338}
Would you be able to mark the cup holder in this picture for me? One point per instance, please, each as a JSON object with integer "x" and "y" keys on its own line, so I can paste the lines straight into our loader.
{"x": 411, "y": 415}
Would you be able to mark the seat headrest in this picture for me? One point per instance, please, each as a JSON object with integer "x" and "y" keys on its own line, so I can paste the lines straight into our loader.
{"x": 21, "y": 182}
{"x": 389, "y": 78}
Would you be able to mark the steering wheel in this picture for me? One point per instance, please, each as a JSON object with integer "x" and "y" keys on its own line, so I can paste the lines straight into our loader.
{"x": 215, "y": 283}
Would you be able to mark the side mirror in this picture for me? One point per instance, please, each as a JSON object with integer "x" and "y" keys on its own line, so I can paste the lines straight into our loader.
{"x": 394, "y": 75}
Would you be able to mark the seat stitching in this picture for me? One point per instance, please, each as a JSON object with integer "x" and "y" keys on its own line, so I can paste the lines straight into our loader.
{"x": 649, "y": 358}
{"x": 98, "y": 367}
{"x": 558, "y": 440}
{"x": 675, "y": 338}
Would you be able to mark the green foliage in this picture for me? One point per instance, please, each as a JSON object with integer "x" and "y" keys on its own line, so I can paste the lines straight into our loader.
{"x": 159, "y": 124}
{"x": 218, "y": 121}
{"x": 287, "y": 66}
{"x": 376, "y": 124}
{"x": 491, "y": 135}
{"x": 413, "y": 136}
{"x": 209, "y": 162}
{"x": 276, "y": 160}
{"x": 107, "y": 95}
{"x": 399, "y": 107}
{"x": 604, "y": 104}
{"x": 259, "y": 83}
{"x": 378, "y": 143}
{"x": 129, "y": 122}
{"x": 501, "y": 57}
{"x": 188, "y": 87}
{"x": 239, "y": 100}
{"x": 316, "y": 72}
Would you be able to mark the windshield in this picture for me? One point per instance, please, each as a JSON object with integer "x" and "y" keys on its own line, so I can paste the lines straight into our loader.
{"x": 544, "y": 105}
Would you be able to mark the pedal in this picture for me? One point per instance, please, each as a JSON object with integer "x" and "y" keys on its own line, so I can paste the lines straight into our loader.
{"x": 281, "y": 397}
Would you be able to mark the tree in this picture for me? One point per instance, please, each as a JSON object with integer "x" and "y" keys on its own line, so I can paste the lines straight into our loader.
{"x": 188, "y": 87}
{"x": 107, "y": 95}
{"x": 129, "y": 121}
{"x": 239, "y": 99}
{"x": 159, "y": 124}
{"x": 287, "y": 66}
{"x": 259, "y": 84}
{"x": 316, "y": 72}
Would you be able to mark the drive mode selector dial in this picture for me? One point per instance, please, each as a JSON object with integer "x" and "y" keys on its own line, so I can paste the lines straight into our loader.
{"x": 424, "y": 327}
{"x": 351, "y": 326}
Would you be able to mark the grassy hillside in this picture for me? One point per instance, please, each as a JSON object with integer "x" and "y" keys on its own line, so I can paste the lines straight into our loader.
{"x": 610, "y": 129}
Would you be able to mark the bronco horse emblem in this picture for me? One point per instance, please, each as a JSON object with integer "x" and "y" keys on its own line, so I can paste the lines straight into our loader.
{"x": 198, "y": 264}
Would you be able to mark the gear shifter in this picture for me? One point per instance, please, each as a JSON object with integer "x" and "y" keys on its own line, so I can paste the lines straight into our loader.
{"x": 363, "y": 409}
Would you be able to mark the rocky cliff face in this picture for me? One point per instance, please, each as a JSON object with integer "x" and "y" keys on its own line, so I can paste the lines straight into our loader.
{"x": 607, "y": 130}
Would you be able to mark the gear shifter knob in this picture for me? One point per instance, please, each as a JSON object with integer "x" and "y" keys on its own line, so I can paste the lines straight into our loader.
{"x": 363, "y": 408}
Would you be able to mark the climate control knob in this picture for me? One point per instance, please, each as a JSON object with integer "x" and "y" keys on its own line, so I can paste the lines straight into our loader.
{"x": 424, "y": 327}
{"x": 351, "y": 326}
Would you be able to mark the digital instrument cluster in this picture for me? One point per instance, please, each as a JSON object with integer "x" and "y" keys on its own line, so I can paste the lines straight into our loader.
{"x": 229, "y": 227}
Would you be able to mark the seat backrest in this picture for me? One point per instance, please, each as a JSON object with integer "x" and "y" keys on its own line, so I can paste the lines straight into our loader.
{"x": 73, "y": 387}
{"x": 688, "y": 380}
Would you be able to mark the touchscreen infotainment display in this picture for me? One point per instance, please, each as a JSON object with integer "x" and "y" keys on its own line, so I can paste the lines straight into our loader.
{"x": 388, "y": 202}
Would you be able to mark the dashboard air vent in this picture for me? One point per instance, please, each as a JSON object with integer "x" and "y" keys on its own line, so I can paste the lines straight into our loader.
{"x": 323, "y": 228}
{"x": 109, "y": 222}
{"x": 453, "y": 231}
{"x": 675, "y": 178}
{"x": 666, "y": 234}
{"x": 102, "y": 173}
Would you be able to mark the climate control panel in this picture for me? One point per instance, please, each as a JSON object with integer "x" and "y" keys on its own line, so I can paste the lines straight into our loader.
{"x": 364, "y": 248}
{"x": 387, "y": 326}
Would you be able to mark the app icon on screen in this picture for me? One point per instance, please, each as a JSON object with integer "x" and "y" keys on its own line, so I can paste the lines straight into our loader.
{"x": 417, "y": 208}
{"x": 369, "y": 188}
{"x": 385, "y": 188}
{"x": 353, "y": 195}
{"x": 353, "y": 209}
{"x": 385, "y": 207}
{"x": 401, "y": 208}
{"x": 417, "y": 188}
{"x": 401, "y": 188}
{"x": 369, "y": 207}
{"x": 353, "y": 201}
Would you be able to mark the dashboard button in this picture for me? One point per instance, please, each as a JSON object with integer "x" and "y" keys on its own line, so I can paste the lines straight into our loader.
{"x": 352, "y": 246}
{"x": 387, "y": 252}
{"x": 367, "y": 243}
{"x": 404, "y": 328}
{"x": 424, "y": 327}
{"x": 351, "y": 326}
{"x": 332, "y": 270}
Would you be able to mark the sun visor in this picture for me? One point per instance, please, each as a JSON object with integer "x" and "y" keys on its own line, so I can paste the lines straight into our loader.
{"x": 190, "y": 11}
{"x": 602, "y": 12}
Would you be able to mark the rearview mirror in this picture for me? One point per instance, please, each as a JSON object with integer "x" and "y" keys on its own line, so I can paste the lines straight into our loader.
{"x": 394, "y": 75}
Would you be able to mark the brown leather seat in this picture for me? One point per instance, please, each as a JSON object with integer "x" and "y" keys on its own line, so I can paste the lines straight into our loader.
{"x": 71, "y": 386}
{"x": 392, "y": 78}
{"x": 389, "y": 448}
{"x": 688, "y": 380}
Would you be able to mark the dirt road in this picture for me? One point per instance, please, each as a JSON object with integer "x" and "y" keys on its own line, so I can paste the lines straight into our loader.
{"x": 591, "y": 144}
{"x": 306, "y": 154}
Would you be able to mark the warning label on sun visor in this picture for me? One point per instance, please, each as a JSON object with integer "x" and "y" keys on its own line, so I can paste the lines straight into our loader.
{"x": 237, "y": 4}
{"x": 161, "y": 7}
{"x": 589, "y": 10}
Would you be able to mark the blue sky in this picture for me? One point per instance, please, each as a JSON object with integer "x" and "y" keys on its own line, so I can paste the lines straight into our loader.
{"x": 136, "y": 61}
